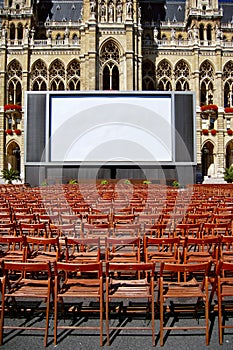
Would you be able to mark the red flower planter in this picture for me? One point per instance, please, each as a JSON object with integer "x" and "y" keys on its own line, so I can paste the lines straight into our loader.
{"x": 17, "y": 132}
{"x": 207, "y": 108}
{"x": 213, "y": 132}
{"x": 205, "y": 131}
{"x": 9, "y": 132}
{"x": 12, "y": 107}
{"x": 228, "y": 110}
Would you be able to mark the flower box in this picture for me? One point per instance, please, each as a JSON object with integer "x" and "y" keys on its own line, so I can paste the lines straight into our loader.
{"x": 230, "y": 132}
{"x": 9, "y": 132}
{"x": 213, "y": 132}
{"x": 228, "y": 110}
{"x": 208, "y": 108}
{"x": 17, "y": 132}
{"x": 12, "y": 107}
{"x": 205, "y": 131}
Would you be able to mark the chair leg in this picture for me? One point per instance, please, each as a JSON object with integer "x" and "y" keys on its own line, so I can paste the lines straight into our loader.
{"x": 47, "y": 321}
{"x": 107, "y": 320}
{"x": 220, "y": 329}
{"x": 161, "y": 321}
{"x": 2, "y": 320}
{"x": 101, "y": 321}
{"x": 55, "y": 320}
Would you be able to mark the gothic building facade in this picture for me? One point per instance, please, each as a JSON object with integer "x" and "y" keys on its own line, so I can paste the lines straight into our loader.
{"x": 121, "y": 45}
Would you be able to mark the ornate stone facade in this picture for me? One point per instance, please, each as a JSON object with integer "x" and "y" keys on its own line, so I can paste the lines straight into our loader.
{"x": 120, "y": 45}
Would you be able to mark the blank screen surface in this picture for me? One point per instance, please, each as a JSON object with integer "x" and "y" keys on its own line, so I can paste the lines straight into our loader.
{"x": 111, "y": 129}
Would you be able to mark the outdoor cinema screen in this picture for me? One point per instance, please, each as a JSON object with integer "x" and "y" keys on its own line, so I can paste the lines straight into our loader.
{"x": 114, "y": 128}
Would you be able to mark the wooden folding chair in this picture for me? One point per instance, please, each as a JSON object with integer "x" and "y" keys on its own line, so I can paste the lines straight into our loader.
{"x": 82, "y": 250}
{"x": 193, "y": 295}
{"x": 22, "y": 284}
{"x": 8, "y": 229}
{"x": 34, "y": 230}
{"x": 124, "y": 286}
{"x": 224, "y": 290}
{"x": 123, "y": 249}
{"x": 226, "y": 248}
{"x": 162, "y": 249}
{"x": 78, "y": 282}
{"x": 41, "y": 249}
{"x": 12, "y": 248}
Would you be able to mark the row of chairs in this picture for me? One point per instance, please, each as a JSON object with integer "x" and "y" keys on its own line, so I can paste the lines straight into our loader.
{"x": 114, "y": 291}
{"x": 117, "y": 249}
{"x": 48, "y": 229}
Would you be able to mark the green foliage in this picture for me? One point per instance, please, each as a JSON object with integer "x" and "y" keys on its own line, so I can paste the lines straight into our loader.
{"x": 10, "y": 175}
{"x": 228, "y": 174}
{"x": 127, "y": 182}
{"x": 175, "y": 184}
{"x": 104, "y": 182}
{"x": 44, "y": 183}
{"x": 146, "y": 182}
{"x": 73, "y": 182}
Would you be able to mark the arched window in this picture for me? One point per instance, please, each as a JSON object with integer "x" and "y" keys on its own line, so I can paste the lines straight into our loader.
{"x": 148, "y": 75}
{"x": 14, "y": 84}
{"x": 164, "y": 76}
{"x": 12, "y": 31}
{"x": 109, "y": 59}
{"x": 73, "y": 75}
{"x": 39, "y": 76}
{"x": 57, "y": 75}
{"x": 228, "y": 84}
{"x": 201, "y": 32}
{"x": 209, "y": 33}
{"x": 182, "y": 76}
{"x": 206, "y": 83}
{"x": 20, "y": 31}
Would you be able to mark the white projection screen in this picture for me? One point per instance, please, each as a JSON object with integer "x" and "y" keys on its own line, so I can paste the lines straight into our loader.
{"x": 111, "y": 129}
{"x": 108, "y": 129}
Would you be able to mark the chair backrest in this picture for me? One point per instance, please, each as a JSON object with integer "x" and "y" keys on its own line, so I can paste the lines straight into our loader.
{"x": 123, "y": 249}
{"x": 182, "y": 270}
{"x": 135, "y": 268}
{"x": 85, "y": 248}
{"x": 7, "y": 229}
{"x": 37, "y": 245}
{"x": 26, "y": 268}
{"x": 79, "y": 268}
{"x": 37, "y": 229}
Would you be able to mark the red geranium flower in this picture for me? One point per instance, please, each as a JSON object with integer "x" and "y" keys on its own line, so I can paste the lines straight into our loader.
{"x": 9, "y": 132}
{"x": 230, "y": 132}
{"x": 209, "y": 108}
{"x": 228, "y": 109}
{"x": 12, "y": 107}
{"x": 17, "y": 132}
{"x": 205, "y": 131}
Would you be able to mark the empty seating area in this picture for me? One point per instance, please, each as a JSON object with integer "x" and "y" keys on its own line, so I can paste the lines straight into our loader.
{"x": 105, "y": 259}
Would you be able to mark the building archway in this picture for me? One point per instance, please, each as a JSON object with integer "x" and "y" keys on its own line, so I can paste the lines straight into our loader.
{"x": 229, "y": 154}
{"x": 13, "y": 156}
{"x": 207, "y": 157}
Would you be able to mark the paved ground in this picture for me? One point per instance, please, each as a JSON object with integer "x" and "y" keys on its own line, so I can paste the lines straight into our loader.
{"x": 181, "y": 340}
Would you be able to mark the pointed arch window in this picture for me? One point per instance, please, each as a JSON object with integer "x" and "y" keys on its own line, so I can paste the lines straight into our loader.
{"x": 148, "y": 73}
{"x": 39, "y": 76}
{"x": 164, "y": 76}
{"x": 14, "y": 84}
{"x": 73, "y": 75}
{"x": 109, "y": 60}
{"x": 206, "y": 83}
{"x": 182, "y": 76}
{"x": 228, "y": 84}
{"x": 57, "y": 75}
